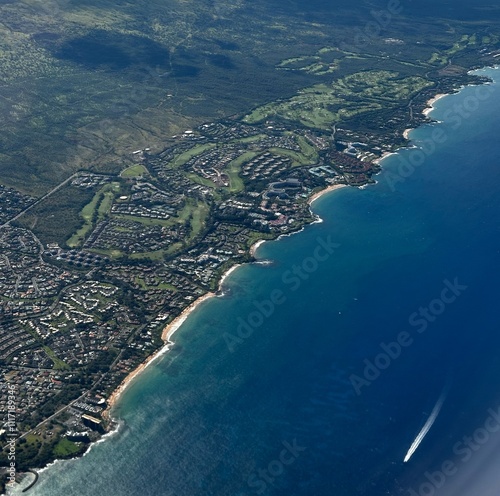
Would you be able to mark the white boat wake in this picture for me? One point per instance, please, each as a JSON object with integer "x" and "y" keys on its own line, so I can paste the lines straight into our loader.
{"x": 427, "y": 426}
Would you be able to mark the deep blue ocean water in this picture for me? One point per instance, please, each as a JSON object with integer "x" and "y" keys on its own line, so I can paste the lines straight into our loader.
{"x": 286, "y": 407}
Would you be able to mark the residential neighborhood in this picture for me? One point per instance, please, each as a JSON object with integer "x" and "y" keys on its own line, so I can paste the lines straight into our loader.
{"x": 76, "y": 317}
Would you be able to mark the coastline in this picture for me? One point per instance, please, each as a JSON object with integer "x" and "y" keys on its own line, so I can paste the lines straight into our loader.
{"x": 167, "y": 333}
{"x": 227, "y": 274}
{"x": 253, "y": 250}
{"x": 427, "y": 110}
{"x": 384, "y": 156}
{"x": 319, "y": 194}
{"x": 173, "y": 326}
{"x": 430, "y": 104}
{"x": 170, "y": 329}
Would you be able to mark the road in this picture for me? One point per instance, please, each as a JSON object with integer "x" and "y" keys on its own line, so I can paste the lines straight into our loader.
{"x": 41, "y": 199}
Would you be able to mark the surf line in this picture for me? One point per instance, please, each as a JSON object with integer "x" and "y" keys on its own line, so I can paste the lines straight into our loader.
{"x": 427, "y": 426}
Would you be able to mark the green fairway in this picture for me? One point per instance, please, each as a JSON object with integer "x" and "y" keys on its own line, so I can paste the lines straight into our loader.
{"x": 200, "y": 180}
{"x": 93, "y": 212}
{"x": 233, "y": 171}
{"x": 199, "y": 216}
{"x": 134, "y": 171}
{"x": 322, "y": 105}
{"x": 192, "y": 152}
{"x": 297, "y": 158}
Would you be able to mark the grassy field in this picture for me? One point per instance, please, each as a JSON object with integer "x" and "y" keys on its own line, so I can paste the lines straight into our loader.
{"x": 66, "y": 448}
{"x": 200, "y": 180}
{"x": 307, "y": 156}
{"x": 93, "y": 212}
{"x": 235, "y": 182}
{"x": 194, "y": 213}
{"x": 234, "y": 169}
{"x": 121, "y": 78}
{"x": 59, "y": 216}
{"x": 137, "y": 170}
{"x": 307, "y": 149}
{"x": 322, "y": 105}
{"x": 250, "y": 139}
{"x": 297, "y": 158}
{"x": 198, "y": 218}
{"x": 146, "y": 220}
{"x": 315, "y": 65}
{"x": 192, "y": 152}
{"x": 159, "y": 285}
{"x": 158, "y": 256}
{"x": 155, "y": 256}
{"x": 112, "y": 253}
{"x": 58, "y": 364}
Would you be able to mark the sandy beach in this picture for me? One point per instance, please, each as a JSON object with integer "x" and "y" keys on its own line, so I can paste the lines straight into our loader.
{"x": 384, "y": 155}
{"x": 431, "y": 102}
{"x": 167, "y": 333}
{"x": 121, "y": 388}
{"x": 226, "y": 275}
{"x": 255, "y": 246}
{"x": 180, "y": 319}
{"x": 171, "y": 328}
{"x": 319, "y": 194}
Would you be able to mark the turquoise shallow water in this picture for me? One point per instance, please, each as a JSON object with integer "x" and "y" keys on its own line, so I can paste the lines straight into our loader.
{"x": 292, "y": 384}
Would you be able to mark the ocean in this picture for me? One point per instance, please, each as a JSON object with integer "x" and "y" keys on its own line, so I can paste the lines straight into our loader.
{"x": 368, "y": 338}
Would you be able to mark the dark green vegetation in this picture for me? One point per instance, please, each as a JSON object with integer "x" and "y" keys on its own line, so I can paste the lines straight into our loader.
{"x": 57, "y": 216}
{"x": 38, "y": 450}
{"x": 321, "y": 106}
{"x": 149, "y": 222}
{"x": 84, "y": 84}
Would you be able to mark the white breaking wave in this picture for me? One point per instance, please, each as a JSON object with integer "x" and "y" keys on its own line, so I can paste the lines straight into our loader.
{"x": 427, "y": 426}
